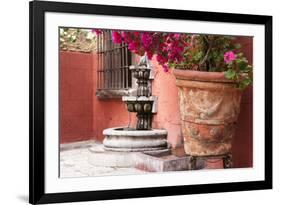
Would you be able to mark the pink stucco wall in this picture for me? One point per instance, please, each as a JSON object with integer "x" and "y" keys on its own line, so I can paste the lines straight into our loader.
{"x": 82, "y": 115}
{"x": 107, "y": 112}
{"x": 168, "y": 115}
{"x": 76, "y": 96}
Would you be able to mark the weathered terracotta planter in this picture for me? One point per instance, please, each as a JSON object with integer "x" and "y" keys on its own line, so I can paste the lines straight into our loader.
{"x": 209, "y": 107}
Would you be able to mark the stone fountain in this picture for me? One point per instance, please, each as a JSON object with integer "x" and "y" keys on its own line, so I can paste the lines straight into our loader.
{"x": 141, "y": 138}
{"x": 140, "y": 147}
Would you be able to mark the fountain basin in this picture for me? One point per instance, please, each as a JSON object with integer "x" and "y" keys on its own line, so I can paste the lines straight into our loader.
{"x": 125, "y": 139}
{"x": 139, "y": 104}
{"x": 143, "y": 106}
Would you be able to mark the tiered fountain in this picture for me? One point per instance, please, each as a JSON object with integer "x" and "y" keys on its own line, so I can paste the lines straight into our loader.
{"x": 141, "y": 147}
{"x": 143, "y": 137}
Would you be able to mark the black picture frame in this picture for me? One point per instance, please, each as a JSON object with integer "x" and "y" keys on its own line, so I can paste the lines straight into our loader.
{"x": 37, "y": 9}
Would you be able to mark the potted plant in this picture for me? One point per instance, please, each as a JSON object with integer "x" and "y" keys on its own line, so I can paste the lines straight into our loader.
{"x": 211, "y": 73}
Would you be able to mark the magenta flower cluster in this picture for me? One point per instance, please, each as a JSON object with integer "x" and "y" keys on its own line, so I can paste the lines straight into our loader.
{"x": 168, "y": 47}
{"x": 229, "y": 57}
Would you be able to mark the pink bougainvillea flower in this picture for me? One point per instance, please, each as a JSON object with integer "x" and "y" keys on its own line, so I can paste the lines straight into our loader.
{"x": 229, "y": 57}
{"x": 97, "y": 31}
{"x": 146, "y": 39}
{"x": 165, "y": 68}
{"x": 177, "y": 36}
{"x": 116, "y": 37}
{"x": 133, "y": 46}
{"x": 161, "y": 59}
{"x": 136, "y": 34}
{"x": 126, "y": 36}
{"x": 149, "y": 55}
{"x": 167, "y": 47}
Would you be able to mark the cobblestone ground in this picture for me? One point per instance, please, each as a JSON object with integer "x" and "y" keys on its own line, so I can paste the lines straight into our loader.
{"x": 75, "y": 162}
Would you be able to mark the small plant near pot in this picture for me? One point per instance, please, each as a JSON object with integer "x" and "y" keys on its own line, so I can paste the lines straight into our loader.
{"x": 211, "y": 72}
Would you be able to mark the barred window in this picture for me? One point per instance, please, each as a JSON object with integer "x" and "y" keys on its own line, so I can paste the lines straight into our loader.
{"x": 114, "y": 76}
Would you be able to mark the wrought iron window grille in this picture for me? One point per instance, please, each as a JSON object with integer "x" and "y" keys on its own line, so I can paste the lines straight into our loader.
{"x": 114, "y": 78}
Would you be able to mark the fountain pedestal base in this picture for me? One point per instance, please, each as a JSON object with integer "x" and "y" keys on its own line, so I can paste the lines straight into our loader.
{"x": 130, "y": 140}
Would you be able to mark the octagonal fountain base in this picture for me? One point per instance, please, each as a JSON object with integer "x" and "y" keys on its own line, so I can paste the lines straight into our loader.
{"x": 124, "y": 139}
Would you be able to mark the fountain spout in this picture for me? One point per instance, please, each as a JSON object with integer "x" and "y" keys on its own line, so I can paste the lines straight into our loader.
{"x": 143, "y": 102}
{"x": 143, "y": 137}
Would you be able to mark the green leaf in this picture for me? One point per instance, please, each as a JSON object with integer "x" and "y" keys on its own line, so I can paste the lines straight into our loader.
{"x": 230, "y": 74}
{"x": 239, "y": 55}
{"x": 244, "y": 83}
{"x": 242, "y": 65}
{"x": 198, "y": 56}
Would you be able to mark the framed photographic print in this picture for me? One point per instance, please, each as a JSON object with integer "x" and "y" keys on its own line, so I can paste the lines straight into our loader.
{"x": 130, "y": 102}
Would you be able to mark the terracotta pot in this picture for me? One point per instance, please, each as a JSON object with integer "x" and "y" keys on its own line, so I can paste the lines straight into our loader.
{"x": 209, "y": 107}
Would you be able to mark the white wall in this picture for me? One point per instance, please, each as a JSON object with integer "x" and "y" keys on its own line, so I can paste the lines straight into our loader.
{"x": 14, "y": 99}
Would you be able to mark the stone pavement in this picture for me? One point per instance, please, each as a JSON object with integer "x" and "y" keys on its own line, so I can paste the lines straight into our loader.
{"x": 76, "y": 160}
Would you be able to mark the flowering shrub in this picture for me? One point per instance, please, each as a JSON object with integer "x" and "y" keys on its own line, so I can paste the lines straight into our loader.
{"x": 191, "y": 52}
{"x": 79, "y": 40}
